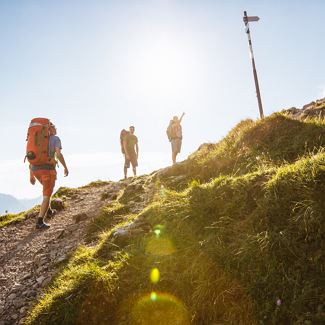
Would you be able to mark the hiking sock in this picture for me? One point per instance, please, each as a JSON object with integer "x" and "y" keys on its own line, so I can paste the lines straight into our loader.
{"x": 39, "y": 221}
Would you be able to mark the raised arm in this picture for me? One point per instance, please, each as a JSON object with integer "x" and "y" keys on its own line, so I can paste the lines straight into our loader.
{"x": 180, "y": 119}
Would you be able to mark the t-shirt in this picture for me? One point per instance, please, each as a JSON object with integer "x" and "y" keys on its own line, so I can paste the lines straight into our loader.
{"x": 131, "y": 140}
{"x": 54, "y": 142}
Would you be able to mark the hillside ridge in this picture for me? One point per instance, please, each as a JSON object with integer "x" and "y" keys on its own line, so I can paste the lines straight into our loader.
{"x": 232, "y": 235}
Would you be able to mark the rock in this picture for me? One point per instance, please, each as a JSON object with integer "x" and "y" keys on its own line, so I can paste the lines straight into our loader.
{"x": 23, "y": 310}
{"x": 80, "y": 217}
{"x": 40, "y": 279}
{"x": 12, "y": 296}
{"x": 46, "y": 281}
{"x": 40, "y": 269}
{"x": 26, "y": 277}
{"x": 57, "y": 204}
{"x": 61, "y": 259}
{"x": 16, "y": 287}
{"x": 32, "y": 214}
{"x": 19, "y": 247}
{"x": 73, "y": 228}
{"x": 29, "y": 293}
{"x": 311, "y": 110}
{"x": 18, "y": 303}
{"x": 120, "y": 232}
{"x": 26, "y": 293}
{"x": 43, "y": 262}
{"x": 14, "y": 316}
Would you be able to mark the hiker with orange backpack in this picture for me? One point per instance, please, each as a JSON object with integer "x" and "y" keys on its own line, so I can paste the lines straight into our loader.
{"x": 43, "y": 147}
{"x": 175, "y": 136}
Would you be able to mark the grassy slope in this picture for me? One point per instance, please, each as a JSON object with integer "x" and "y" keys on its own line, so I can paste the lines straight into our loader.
{"x": 10, "y": 218}
{"x": 238, "y": 238}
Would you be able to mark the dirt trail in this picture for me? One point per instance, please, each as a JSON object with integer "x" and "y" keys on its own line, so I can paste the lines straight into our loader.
{"x": 29, "y": 258}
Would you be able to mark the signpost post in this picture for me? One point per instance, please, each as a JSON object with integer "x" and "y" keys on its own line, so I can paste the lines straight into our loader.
{"x": 246, "y": 20}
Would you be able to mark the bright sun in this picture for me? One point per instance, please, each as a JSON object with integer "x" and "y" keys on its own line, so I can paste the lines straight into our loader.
{"x": 163, "y": 67}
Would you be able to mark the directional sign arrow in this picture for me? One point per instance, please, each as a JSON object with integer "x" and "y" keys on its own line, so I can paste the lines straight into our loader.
{"x": 247, "y": 19}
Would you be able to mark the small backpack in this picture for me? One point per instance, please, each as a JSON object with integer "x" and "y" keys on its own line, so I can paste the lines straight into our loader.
{"x": 174, "y": 131}
{"x": 123, "y": 134}
{"x": 169, "y": 131}
{"x": 37, "y": 148}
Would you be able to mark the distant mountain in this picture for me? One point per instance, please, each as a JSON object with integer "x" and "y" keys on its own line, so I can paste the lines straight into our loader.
{"x": 10, "y": 203}
{"x": 13, "y": 205}
{"x": 29, "y": 203}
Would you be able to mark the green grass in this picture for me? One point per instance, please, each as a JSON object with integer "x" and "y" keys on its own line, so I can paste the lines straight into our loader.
{"x": 66, "y": 192}
{"x": 97, "y": 183}
{"x": 108, "y": 217}
{"x": 268, "y": 230}
{"x": 81, "y": 294}
{"x": 251, "y": 146}
{"x": 237, "y": 238}
{"x": 11, "y": 218}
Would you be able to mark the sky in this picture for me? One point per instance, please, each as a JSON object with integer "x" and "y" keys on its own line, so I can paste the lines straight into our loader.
{"x": 95, "y": 67}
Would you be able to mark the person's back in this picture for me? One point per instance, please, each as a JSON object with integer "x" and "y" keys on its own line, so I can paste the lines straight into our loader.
{"x": 176, "y": 130}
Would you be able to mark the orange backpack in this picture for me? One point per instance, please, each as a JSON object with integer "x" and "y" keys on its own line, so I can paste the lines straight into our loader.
{"x": 37, "y": 149}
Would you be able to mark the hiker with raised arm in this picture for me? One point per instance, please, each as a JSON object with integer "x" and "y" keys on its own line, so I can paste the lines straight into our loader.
{"x": 131, "y": 151}
{"x": 175, "y": 136}
{"x": 43, "y": 148}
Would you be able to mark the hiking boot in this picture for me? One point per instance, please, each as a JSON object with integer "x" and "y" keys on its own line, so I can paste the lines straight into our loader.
{"x": 51, "y": 213}
{"x": 42, "y": 226}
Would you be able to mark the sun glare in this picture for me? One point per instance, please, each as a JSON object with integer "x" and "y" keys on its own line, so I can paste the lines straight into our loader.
{"x": 162, "y": 68}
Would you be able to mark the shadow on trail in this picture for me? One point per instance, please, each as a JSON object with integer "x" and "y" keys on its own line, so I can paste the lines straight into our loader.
{"x": 19, "y": 246}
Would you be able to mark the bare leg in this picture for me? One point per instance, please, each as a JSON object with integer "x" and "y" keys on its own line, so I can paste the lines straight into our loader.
{"x": 174, "y": 154}
{"x": 134, "y": 171}
{"x": 44, "y": 207}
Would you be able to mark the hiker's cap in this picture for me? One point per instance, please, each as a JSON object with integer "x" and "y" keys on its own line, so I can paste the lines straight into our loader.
{"x": 132, "y": 127}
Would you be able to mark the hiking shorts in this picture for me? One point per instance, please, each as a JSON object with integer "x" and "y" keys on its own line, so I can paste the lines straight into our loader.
{"x": 133, "y": 160}
{"x": 176, "y": 145}
{"x": 47, "y": 178}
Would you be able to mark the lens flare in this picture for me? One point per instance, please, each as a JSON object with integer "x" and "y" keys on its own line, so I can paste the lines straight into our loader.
{"x": 159, "y": 229}
{"x": 153, "y": 296}
{"x": 160, "y": 309}
{"x": 157, "y": 232}
{"x": 154, "y": 275}
{"x": 160, "y": 246}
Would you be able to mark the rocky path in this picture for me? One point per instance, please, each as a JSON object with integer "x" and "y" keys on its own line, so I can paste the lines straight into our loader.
{"x": 29, "y": 258}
